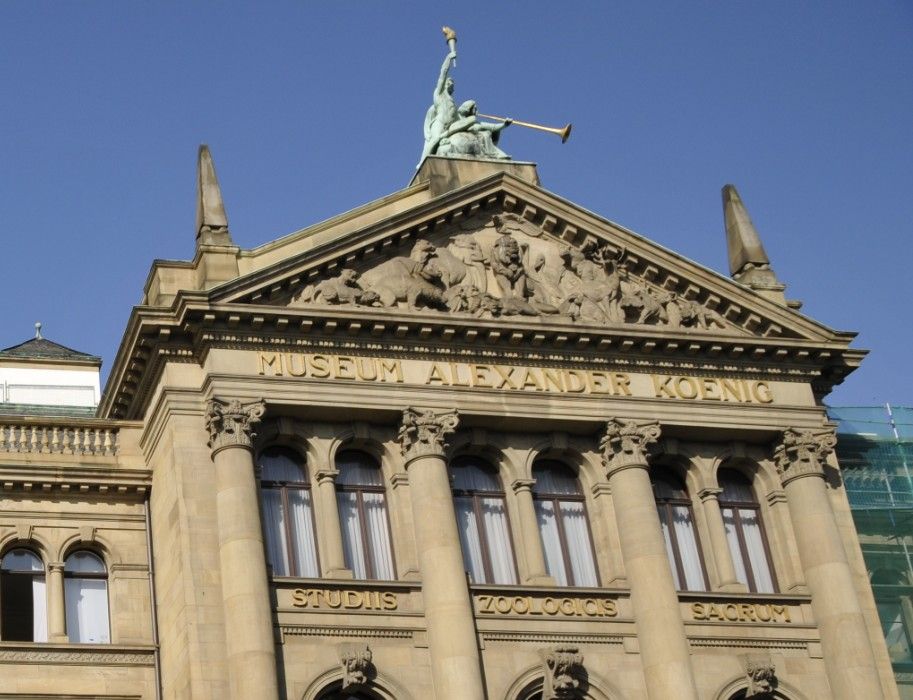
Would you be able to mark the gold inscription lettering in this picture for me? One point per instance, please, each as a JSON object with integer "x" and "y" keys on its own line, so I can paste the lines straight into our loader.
{"x": 271, "y": 360}
{"x": 436, "y": 374}
{"x": 320, "y": 366}
{"x": 391, "y": 367}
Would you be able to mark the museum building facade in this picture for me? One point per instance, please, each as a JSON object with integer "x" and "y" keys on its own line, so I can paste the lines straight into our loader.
{"x": 467, "y": 441}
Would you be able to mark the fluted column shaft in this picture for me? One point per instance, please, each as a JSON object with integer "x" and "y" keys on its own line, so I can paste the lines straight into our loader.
{"x": 664, "y": 648}
{"x": 57, "y": 615}
{"x": 249, "y": 636}
{"x": 848, "y": 654}
{"x": 722, "y": 555}
{"x": 532, "y": 541}
{"x": 452, "y": 642}
{"x": 334, "y": 561}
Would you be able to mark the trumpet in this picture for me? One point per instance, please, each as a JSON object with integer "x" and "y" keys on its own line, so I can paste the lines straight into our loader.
{"x": 564, "y": 132}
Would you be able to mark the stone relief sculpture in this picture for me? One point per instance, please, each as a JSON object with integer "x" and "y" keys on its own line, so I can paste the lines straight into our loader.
{"x": 761, "y": 678}
{"x": 507, "y": 266}
{"x": 357, "y": 665}
{"x": 562, "y": 666}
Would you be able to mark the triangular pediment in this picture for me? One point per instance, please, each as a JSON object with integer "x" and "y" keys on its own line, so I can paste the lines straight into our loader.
{"x": 507, "y": 250}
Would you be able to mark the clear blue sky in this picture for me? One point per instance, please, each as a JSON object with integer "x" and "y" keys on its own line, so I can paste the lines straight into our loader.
{"x": 312, "y": 108}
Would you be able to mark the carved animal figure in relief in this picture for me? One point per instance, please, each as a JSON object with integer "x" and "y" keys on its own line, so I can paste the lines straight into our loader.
{"x": 684, "y": 312}
{"x": 342, "y": 289}
{"x": 638, "y": 298}
{"x": 598, "y": 292}
{"x": 411, "y": 280}
{"x": 462, "y": 262}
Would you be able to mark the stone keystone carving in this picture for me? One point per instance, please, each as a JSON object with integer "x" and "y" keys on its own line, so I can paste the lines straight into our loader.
{"x": 803, "y": 453}
{"x": 761, "y": 678}
{"x": 356, "y": 665}
{"x": 231, "y": 422}
{"x": 562, "y": 666}
{"x": 625, "y": 443}
{"x": 425, "y": 432}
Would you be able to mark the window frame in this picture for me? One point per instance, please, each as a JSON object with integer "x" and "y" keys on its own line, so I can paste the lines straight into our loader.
{"x": 556, "y": 500}
{"x": 283, "y": 488}
{"x": 359, "y": 490}
{"x": 755, "y": 505}
{"x": 667, "y": 505}
{"x": 476, "y": 498}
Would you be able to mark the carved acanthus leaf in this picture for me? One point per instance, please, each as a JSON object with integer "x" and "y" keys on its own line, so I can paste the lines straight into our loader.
{"x": 625, "y": 443}
{"x": 562, "y": 669}
{"x": 803, "y": 452}
{"x": 231, "y": 422}
{"x": 424, "y": 432}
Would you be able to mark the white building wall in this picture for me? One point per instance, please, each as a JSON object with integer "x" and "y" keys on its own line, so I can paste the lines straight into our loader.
{"x": 50, "y": 387}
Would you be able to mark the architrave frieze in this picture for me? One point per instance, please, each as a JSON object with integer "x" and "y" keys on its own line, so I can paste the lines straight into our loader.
{"x": 196, "y": 327}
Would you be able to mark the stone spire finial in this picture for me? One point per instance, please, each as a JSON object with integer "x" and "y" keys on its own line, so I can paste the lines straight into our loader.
{"x": 38, "y": 330}
{"x": 748, "y": 261}
{"x": 212, "y": 223}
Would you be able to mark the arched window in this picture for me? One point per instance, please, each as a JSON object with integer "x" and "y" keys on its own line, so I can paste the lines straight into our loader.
{"x": 563, "y": 525}
{"x": 86, "y": 593}
{"x": 363, "y": 516}
{"x": 677, "y": 522}
{"x": 23, "y": 598}
{"x": 288, "y": 515}
{"x": 745, "y": 532}
{"x": 482, "y": 521}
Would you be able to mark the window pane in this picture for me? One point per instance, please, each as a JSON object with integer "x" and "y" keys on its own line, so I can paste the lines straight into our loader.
{"x": 894, "y": 633}
{"x": 87, "y": 610}
{"x": 84, "y": 563}
{"x": 281, "y": 464}
{"x": 670, "y": 551}
{"x": 274, "y": 527}
{"x": 688, "y": 549}
{"x": 469, "y": 539}
{"x": 751, "y": 531}
{"x": 472, "y": 475}
{"x": 580, "y": 549}
{"x": 358, "y": 469}
{"x": 352, "y": 544}
{"x": 551, "y": 541}
{"x": 379, "y": 535}
{"x": 22, "y": 560}
{"x": 304, "y": 541}
{"x": 736, "y": 487}
{"x": 554, "y": 478}
{"x": 494, "y": 518}
{"x": 735, "y": 547}
{"x": 667, "y": 486}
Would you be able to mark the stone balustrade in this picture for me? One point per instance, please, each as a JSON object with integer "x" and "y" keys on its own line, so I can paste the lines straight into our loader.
{"x": 58, "y": 437}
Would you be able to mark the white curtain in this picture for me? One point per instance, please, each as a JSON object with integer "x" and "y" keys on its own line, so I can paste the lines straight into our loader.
{"x": 498, "y": 536}
{"x": 551, "y": 541}
{"x": 304, "y": 539}
{"x": 732, "y": 537}
{"x": 670, "y": 552}
{"x": 40, "y": 610}
{"x": 579, "y": 546}
{"x": 688, "y": 548}
{"x": 375, "y": 507}
{"x": 274, "y": 527}
{"x": 352, "y": 542}
{"x": 751, "y": 530}
{"x": 469, "y": 539}
{"x": 87, "y": 610}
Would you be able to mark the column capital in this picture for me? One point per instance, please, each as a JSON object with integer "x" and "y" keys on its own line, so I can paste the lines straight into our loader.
{"x": 801, "y": 453}
{"x": 55, "y": 566}
{"x": 423, "y": 433}
{"x": 625, "y": 444}
{"x": 519, "y": 485}
{"x": 709, "y": 493}
{"x": 326, "y": 475}
{"x": 230, "y": 423}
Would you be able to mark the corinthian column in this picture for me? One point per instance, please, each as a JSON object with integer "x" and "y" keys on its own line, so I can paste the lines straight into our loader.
{"x": 249, "y": 637}
{"x": 455, "y": 663}
{"x": 664, "y": 649}
{"x": 848, "y": 655}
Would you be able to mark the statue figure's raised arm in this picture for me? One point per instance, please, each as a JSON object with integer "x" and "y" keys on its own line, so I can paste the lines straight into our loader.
{"x": 445, "y": 70}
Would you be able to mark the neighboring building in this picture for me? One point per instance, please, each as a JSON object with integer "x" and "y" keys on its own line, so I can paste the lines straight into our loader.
{"x": 466, "y": 441}
{"x": 875, "y": 450}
